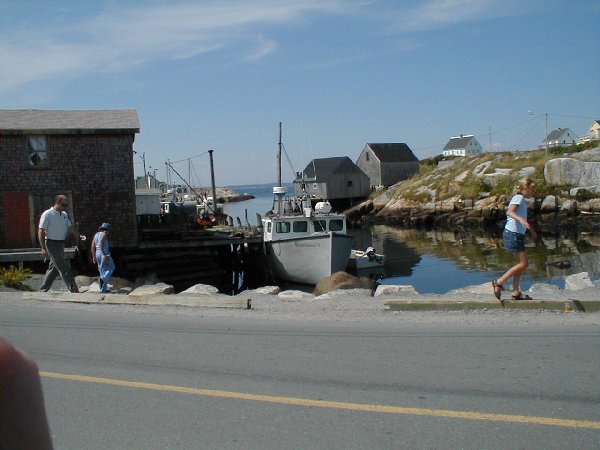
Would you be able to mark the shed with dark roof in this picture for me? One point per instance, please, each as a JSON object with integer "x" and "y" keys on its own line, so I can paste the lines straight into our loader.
{"x": 332, "y": 179}
{"x": 85, "y": 154}
{"x": 387, "y": 164}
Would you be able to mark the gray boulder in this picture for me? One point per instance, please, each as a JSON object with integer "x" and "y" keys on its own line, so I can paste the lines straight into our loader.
{"x": 549, "y": 204}
{"x": 572, "y": 171}
{"x": 200, "y": 289}
{"x": 400, "y": 290}
{"x": 593, "y": 154}
{"x": 526, "y": 172}
{"x": 578, "y": 282}
{"x": 295, "y": 295}
{"x": 343, "y": 280}
{"x": 153, "y": 289}
{"x": 268, "y": 290}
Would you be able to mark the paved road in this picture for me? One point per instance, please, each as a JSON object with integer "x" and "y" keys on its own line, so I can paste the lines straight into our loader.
{"x": 155, "y": 379}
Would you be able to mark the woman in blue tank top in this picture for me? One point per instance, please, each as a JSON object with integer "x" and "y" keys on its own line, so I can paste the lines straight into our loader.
{"x": 101, "y": 256}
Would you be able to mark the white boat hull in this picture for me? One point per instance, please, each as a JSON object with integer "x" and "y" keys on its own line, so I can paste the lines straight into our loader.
{"x": 309, "y": 259}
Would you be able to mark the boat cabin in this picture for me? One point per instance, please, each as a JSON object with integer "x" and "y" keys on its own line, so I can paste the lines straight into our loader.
{"x": 289, "y": 227}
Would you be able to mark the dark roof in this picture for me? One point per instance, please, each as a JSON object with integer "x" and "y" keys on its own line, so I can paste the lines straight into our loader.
{"x": 458, "y": 142}
{"x": 68, "y": 121}
{"x": 399, "y": 152}
{"x": 323, "y": 167}
{"x": 555, "y": 134}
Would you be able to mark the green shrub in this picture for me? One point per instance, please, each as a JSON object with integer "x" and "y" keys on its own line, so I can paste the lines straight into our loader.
{"x": 505, "y": 185}
{"x": 583, "y": 195}
{"x": 472, "y": 187}
{"x": 14, "y": 277}
{"x": 422, "y": 197}
{"x": 433, "y": 161}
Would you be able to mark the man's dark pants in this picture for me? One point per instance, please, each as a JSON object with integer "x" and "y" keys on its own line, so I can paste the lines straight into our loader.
{"x": 58, "y": 264}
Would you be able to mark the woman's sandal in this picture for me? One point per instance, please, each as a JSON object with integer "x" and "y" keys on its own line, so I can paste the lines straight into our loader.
{"x": 498, "y": 288}
{"x": 521, "y": 296}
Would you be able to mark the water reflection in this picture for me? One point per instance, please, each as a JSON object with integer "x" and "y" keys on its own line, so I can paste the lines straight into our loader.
{"x": 438, "y": 261}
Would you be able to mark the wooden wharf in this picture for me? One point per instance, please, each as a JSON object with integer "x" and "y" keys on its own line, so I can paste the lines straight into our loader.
{"x": 225, "y": 257}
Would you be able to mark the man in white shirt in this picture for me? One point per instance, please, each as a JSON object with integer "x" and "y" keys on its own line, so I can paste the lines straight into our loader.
{"x": 53, "y": 230}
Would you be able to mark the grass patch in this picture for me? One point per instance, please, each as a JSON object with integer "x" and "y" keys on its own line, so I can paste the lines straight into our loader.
{"x": 14, "y": 277}
{"x": 472, "y": 187}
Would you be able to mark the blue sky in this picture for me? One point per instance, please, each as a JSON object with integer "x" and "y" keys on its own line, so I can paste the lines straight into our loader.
{"x": 222, "y": 74}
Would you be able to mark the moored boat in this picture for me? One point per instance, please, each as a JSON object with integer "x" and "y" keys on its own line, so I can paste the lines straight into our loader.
{"x": 302, "y": 244}
{"x": 305, "y": 246}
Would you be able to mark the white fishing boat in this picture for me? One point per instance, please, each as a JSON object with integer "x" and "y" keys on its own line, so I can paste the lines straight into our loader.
{"x": 367, "y": 259}
{"x": 302, "y": 244}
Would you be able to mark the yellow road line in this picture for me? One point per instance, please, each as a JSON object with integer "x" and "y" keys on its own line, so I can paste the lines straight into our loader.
{"x": 363, "y": 407}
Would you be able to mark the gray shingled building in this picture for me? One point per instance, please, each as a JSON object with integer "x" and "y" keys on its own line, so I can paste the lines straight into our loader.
{"x": 85, "y": 154}
{"x": 331, "y": 179}
{"x": 387, "y": 164}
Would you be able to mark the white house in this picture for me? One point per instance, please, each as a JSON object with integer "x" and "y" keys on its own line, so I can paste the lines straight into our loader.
{"x": 559, "y": 137}
{"x": 463, "y": 145}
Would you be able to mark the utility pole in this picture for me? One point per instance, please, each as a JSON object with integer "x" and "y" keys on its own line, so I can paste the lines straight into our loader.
{"x": 212, "y": 182}
{"x": 145, "y": 174}
{"x": 546, "y": 133}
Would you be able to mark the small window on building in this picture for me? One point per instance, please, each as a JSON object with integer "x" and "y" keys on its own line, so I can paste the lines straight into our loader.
{"x": 336, "y": 225}
{"x": 268, "y": 227}
{"x": 37, "y": 156}
{"x": 300, "y": 227}
{"x": 367, "y": 156}
{"x": 314, "y": 185}
{"x": 350, "y": 183}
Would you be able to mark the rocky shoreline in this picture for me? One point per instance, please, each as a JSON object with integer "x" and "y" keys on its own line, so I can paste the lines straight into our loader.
{"x": 480, "y": 216}
{"x": 572, "y": 208}
{"x": 339, "y": 286}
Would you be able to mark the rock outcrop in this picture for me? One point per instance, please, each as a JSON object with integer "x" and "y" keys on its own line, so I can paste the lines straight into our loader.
{"x": 453, "y": 196}
{"x": 574, "y": 172}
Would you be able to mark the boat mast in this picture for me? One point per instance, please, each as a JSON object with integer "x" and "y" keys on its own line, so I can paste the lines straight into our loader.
{"x": 279, "y": 170}
{"x": 212, "y": 183}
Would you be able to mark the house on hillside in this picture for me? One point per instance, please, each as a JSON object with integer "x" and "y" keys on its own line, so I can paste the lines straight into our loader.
{"x": 463, "y": 145}
{"x": 387, "y": 164}
{"x": 85, "y": 154}
{"x": 332, "y": 179}
{"x": 593, "y": 133}
{"x": 559, "y": 137}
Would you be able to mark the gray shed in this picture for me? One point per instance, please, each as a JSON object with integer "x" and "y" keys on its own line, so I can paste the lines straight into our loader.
{"x": 387, "y": 164}
{"x": 332, "y": 178}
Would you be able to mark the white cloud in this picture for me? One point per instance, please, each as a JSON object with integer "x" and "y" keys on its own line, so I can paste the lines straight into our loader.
{"x": 264, "y": 48}
{"x": 125, "y": 38}
{"x": 441, "y": 13}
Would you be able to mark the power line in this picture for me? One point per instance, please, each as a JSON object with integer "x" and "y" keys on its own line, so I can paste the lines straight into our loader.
{"x": 191, "y": 157}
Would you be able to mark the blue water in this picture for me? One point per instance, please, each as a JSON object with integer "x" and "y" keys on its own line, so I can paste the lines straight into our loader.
{"x": 437, "y": 262}
{"x": 262, "y": 202}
